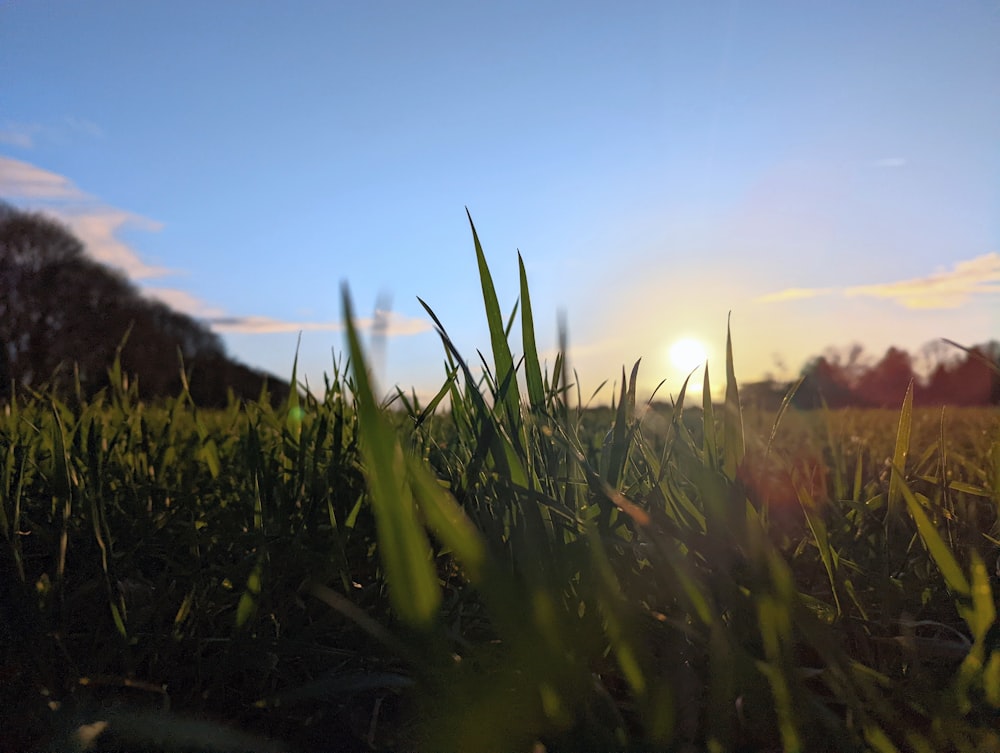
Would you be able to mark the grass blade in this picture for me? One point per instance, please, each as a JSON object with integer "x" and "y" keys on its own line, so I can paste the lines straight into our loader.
{"x": 733, "y": 418}
{"x": 710, "y": 442}
{"x": 403, "y": 546}
{"x": 901, "y": 452}
{"x": 502, "y": 358}
{"x": 532, "y": 369}
{"x": 939, "y": 551}
{"x": 448, "y": 521}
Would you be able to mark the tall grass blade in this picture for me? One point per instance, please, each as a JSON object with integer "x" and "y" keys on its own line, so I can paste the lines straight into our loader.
{"x": 502, "y": 358}
{"x": 492, "y": 437}
{"x": 821, "y": 538}
{"x": 623, "y": 429}
{"x": 977, "y": 355}
{"x": 562, "y": 369}
{"x": 62, "y": 486}
{"x": 939, "y": 551}
{"x": 435, "y": 401}
{"x": 293, "y": 419}
{"x": 532, "y": 368}
{"x": 448, "y": 521}
{"x": 710, "y": 442}
{"x": 733, "y": 419}
{"x": 901, "y": 452}
{"x": 403, "y": 546}
{"x": 786, "y": 402}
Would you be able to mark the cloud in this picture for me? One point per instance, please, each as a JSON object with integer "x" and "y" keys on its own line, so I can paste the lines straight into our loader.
{"x": 18, "y": 134}
{"x": 95, "y": 223}
{"x": 891, "y": 162}
{"x": 389, "y": 324}
{"x": 181, "y": 300}
{"x": 794, "y": 294}
{"x": 99, "y": 225}
{"x": 21, "y": 180}
{"x": 26, "y": 135}
{"x": 941, "y": 290}
{"x": 99, "y": 228}
{"x": 384, "y": 323}
{"x": 84, "y": 126}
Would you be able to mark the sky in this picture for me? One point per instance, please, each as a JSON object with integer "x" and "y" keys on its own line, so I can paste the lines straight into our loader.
{"x": 813, "y": 174}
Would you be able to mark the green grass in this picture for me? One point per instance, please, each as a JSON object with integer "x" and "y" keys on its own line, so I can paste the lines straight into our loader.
{"x": 513, "y": 572}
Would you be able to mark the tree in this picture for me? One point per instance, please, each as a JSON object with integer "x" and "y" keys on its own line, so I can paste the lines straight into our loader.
{"x": 884, "y": 385}
{"x": 64, "y": 315}
{"x": 971, "y": 380}
{"x": 824, "y": 383}
{"x": 36, "y": 257}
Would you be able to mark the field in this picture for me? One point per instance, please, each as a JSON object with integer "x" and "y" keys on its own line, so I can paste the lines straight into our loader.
{"x": 515, "y": 573}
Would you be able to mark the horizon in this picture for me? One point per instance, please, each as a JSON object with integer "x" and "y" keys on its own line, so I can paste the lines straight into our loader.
{"x": 815, "y": 177}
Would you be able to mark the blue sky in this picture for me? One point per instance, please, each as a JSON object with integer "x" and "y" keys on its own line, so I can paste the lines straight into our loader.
{"x": 829, "y": 173}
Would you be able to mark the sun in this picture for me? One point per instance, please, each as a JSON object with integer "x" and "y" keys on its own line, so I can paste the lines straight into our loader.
{"x": 688, "y": 354}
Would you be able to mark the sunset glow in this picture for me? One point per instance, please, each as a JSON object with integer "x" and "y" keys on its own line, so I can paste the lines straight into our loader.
{"x": 815, "y": 174}
{"x": 688, "y": 354}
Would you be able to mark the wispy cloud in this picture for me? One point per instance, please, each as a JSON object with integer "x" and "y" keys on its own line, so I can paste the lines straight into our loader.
{"x": 21, "y": 180}
{"x": 389, "y": 324}
{"x": 794, "y": 294}
{"x": 384, "y": 323}
{"x": 181, "y": 300}
{"x": 20, "y": 135}
{"x": 945, "y": 289}
{"x": 941, "y": 290}
{"x": 99, "y": 226}
{"x": 888, "y": 162}
{"x": 28, "y": 135}
{"x": 84, "y": 126}
{"x": 95, "y": 223}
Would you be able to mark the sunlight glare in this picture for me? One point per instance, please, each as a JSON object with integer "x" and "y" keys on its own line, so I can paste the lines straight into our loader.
{"x": 687, "y": 354}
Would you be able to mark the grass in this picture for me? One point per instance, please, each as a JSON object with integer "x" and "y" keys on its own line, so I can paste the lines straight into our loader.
{"x": 515, "y": 572}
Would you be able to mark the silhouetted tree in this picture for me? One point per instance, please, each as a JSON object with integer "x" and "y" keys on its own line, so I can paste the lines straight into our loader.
{"x": 61, "y": 310}
{"x": 824, "y": 383}
{"x": 934, "y": 354}
{"x": 972, "y": 380}
{"x": 884, "y": 385}
{"x": 38, "y": 259}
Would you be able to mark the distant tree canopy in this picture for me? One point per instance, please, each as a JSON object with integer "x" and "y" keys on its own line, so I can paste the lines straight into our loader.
{"x": 64, "y": 315}
{"x": 970, "y": 378}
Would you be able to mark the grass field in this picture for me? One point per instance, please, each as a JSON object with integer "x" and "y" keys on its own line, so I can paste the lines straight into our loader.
{"x": 511, "y": 574}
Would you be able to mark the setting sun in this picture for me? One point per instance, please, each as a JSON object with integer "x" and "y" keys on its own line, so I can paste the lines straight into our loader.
{"x": 688, "y": 354}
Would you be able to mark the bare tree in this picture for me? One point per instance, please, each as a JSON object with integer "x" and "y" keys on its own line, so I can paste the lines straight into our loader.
{"x": 64, "y": 315}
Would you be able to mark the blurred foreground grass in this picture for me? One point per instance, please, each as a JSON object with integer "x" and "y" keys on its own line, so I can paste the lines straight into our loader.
{"x": 512, "y": 573}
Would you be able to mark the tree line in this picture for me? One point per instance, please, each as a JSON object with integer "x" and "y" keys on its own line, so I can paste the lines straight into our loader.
{"x": 950, "y": 375}
{"x": 65, "y": 317}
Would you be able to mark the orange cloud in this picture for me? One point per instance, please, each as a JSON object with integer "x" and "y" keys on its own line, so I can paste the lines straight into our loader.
{"x": 940, "y": 290}
{"x": 794, "y": 294}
